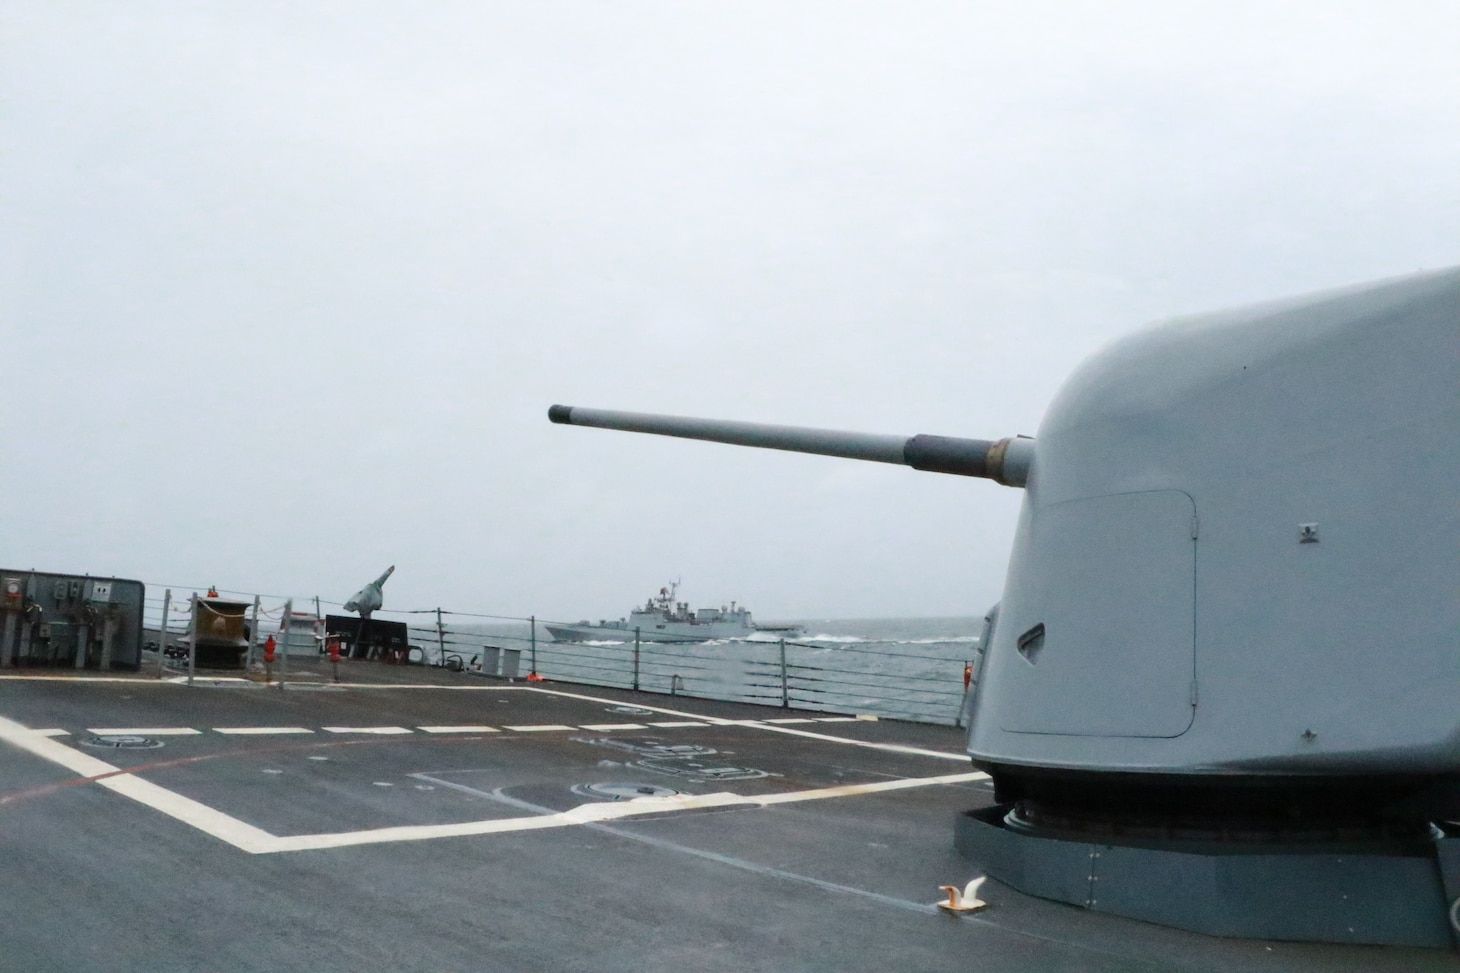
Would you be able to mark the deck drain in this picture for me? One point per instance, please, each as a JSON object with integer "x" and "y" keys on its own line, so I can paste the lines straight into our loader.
{"x": 122, "y": 741}
{"x": 623, "y": 791}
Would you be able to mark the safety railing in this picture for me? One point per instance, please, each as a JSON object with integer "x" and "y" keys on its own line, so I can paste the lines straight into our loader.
{"x": 923, "y": 682}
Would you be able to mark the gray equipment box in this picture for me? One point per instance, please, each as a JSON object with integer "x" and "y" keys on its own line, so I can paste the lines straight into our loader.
{"x": 70, "y": 620}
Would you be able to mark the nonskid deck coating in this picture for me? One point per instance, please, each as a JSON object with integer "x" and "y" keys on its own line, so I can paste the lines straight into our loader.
{"x": 832, "y": 862}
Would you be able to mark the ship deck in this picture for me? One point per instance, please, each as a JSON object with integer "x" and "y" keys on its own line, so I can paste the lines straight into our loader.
{"x": 412, "y": 819}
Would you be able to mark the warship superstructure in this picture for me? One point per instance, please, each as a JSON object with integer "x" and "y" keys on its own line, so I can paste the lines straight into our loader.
{"x": 663, "y": 619}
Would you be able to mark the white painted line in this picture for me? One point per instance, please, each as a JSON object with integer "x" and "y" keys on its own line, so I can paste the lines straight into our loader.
{"x": 378, "y": 730}
{"x": 256, "y": 841}
{"x": 222, "y": 826}
{"x": 887, "y": 747}
{"x": 613, "y": 726}
{"x": 57, "y": 753}
{"x": 458, "y": 729}
{"x": 599, "y": 812}
{"x": 539, "y": 729}
{"x": 144, "y": 731}
{"x": 260, "y": 730}
{"x": 740, "y": 723}
{"x": 849, "y": 790}
{"x": 200, "y": 816}
{"x": 836, "y": 719}
{"x": 229, "y": 681}
{"x": 711, "y": 720}
{"x": 715, "y": 721}
{"x": 134, "y": 680}
{"x": 799, "y": 719}
{"x": 681, "y": 723}
{"x": 582, "y": 814}
{"x": 427, "y": 685}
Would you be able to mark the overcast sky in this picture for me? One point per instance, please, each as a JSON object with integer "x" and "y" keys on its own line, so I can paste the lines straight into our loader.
{"x": 288, "y": 287}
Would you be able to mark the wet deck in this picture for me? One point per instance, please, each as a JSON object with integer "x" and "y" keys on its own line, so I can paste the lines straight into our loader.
{"x": 421, "y": 820}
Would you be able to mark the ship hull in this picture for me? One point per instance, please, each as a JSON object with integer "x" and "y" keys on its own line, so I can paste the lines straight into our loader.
{"x": 669, "y": 632}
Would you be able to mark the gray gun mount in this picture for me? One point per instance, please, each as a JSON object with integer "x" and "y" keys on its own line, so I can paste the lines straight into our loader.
{"x": 1005, "y": 461}
{"x": 1222, "y": 677}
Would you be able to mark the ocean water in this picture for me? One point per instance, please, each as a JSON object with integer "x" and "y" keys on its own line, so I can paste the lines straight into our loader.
{"x": 897, "y": 668}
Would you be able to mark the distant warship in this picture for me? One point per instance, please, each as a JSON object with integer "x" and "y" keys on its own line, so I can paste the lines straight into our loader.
{"x": 662, "y": 619}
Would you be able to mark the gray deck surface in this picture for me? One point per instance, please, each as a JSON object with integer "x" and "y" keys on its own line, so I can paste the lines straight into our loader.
{"x": 101, "y": 872}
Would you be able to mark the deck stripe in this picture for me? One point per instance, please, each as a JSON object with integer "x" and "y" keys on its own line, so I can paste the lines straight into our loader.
{"x": 254, "y": 840}
{"x": 221, "y": 826}
{"x": 716, "y": 721}
{"x": 613, "y": 726}
{"x": 539, "y": 729}
{"x": 260, "y": 730}
{"x": 144, "y": 731}
{"x": 377, "y": 730}
{"x": 599, "y": 812}
{"x": 458, "y": 729}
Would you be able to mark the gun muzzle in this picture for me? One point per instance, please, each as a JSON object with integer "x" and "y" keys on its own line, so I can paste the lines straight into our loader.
{"x": 1005, "y": 461}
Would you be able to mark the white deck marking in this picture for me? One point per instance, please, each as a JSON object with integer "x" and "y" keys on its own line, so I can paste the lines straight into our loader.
{"x": 612, "y": 726}
{"x": 681, "y": 723}
{"x": 227, "y": 682}
{"x": 57, "y": 753}
{"x": 871, "y": 745}
{"x": 458, "y": 729}
{"x": 143, "y": 731}
{"x": 129, "y": 679}
{"x": 254, "y": 840}
{"x": 427, "y": 685}
{"x": 539, "y": 728}
{"x": 716, "y": 721}
{"x": 221, "y": 826}
{"x": 798, "y": 719}
{"x": 582, "y": 814}
{"x": 260, "y": 730}
{"x": 598, "y": 812}
{"x": 224, "y": 827}
{"x": 377, "y": 730}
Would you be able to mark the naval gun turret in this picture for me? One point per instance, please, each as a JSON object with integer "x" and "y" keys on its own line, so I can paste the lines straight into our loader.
{"x": 1222, "y": 686}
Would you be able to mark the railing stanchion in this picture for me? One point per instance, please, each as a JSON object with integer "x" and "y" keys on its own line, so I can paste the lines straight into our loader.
{"x": 284, "y": 628}
{"x": 162, "y": 636}
{"x": 785, "y": 689}
{"x": 253, "y": 637}
{"x": 193, "y": 642}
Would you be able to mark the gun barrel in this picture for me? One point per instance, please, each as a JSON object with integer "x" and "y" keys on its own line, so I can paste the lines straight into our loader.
{"x": 1006, "y": 461}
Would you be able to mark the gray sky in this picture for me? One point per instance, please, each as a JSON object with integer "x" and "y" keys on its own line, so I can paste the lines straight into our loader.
{"x": 287, "y": 288}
